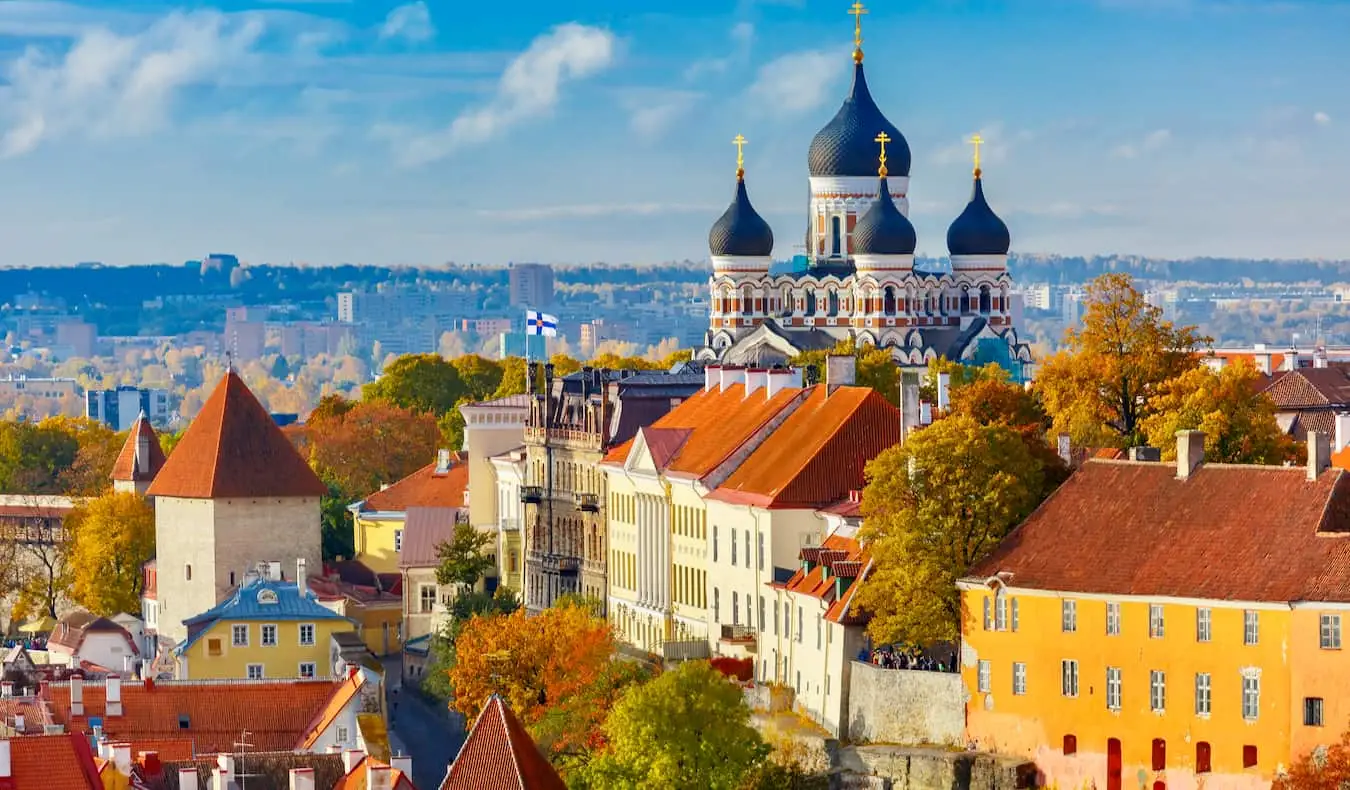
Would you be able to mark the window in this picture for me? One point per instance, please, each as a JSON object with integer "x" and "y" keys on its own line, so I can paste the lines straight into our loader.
{"x": 820, "y": 621}
{"x": 1202, "y": 762}
{"x": 1069, "y": 616}
{"x": 775, "y": 619}
{"x": 1000, "y": 611}
{"x": 255, "y": 672}
{"x": 1251, "y": 627}
{"x": 213, "y": 647}
{"x": 342, "y": 734}
{"x": 1155, "y": 621}
{"x": 306, "y": 634}
{"x": 988, "y": 614}
{"x": 787, "y": 620}
{"x": 239, "y": 635}
{"x": 800, "y": 626}
{"x": 749, "y": 612}
{"x": 1202, "y": 625}
{"x": 714, "y": 543}
{"x": 1159, "y": 754}
{"x": 187, "y": 572}
{"x": 1068, "y": 678}
{"x": 1202, "y": 694}
{"x": 1014, "y": 614}
{"x": 1113, "y": 688}
{"x": 760, "y": 556}
{"x": 269, "y": 635}
{"x": 733, "y": 545}
{"x": 1331, "y": 632}
{"x": 1312, "y": 711}
{"x": 1070, "y": 745}
{"x": 1251, "y": 696}
{"x": 747, "y": 548}
{"x": 763, "y": 625}
{"x": 717, "y": 605}
{"x": 1112, "y": 619}
{"x": 1157, "y": 692}
{"x": 985, "y": 680}
{"x": 735, "y": 605}
{"x": 398, "y": 540}
{"x": 426, "y": 596}
{"x": 1248, "y": 756}
{"x": 307, "y": 669}
{"x": 1019, "y": 678}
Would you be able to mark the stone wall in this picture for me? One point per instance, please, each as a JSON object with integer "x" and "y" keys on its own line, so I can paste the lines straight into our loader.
{"x": 900, "y": 768}
{"x": 905, "y": 706}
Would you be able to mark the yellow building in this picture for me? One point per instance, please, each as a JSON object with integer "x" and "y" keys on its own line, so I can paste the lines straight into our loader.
{"x": 266, "y": 629}
{"x": 379, "y": 519}
{"x": 1165, "y": 625}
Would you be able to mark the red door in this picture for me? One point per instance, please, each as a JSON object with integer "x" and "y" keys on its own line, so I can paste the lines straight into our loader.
{"x": 1113, "y": 764}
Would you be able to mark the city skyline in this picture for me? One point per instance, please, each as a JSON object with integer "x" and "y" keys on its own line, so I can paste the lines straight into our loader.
{"x": 328, "y": 132}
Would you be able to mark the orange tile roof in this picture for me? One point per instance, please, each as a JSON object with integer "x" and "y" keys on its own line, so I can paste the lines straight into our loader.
{"x": 346, "y": 692}
{"x": 1283, "y": 536}
{"x": 358, "y": 777}
{"x": 51, "y": 762}
{"x": 424, "y": 488}
{"x": 277, "y": 714}
{"x": 499, "y": 755}
{"x": 844, "y": 557}
{"x": 125, "y": 467}
{"x": 234, "y": 449}
{"x": 818, "y": 454}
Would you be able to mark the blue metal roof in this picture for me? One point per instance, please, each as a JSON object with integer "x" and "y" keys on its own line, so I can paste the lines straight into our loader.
{"x": 260, "y": 600}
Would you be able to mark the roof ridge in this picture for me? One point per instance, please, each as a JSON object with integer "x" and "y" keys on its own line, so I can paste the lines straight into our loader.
{"x": 807, "y": 458}
{"x": 511, "y": 745}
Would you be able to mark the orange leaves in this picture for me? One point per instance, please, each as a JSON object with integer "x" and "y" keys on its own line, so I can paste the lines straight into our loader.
{"x": 360, "y": 446}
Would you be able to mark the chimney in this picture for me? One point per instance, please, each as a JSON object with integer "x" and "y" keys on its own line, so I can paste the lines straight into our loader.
{"x": 944, "y": 383}
{"x": 1065, "y": 449}
{"x": 712, "y": 376}
{"x": 5, "y": 771}
{"x": 402, "y": 762}
{"x": 18, "y": 723}
{"x": 150, "y": 764}
{"x": 1190, "y": 452}
{"x": 301, "y": 577}
{"x": 1151, "y": 454}
{"x": 302, "y": 779}
{"x": 76, "y": 695}
{"x": 755, "y": 379}
{"x": 1319, "y": 454}
{"x": 6, "y": 689}
{"x": 779, "y": 379}
{"x": 350, "y": 759}
{"x": 113, "y": 696}
{"x": 187, "y": 779}
{"x": 1320, "y": 357}
{"x": 379, "y": 777}
{"x": 841, "y": 370}
{"x": 121, "y": 758}
{"x": 925, "y": 413}
{"x": 220, "y": 780}
{"x": 730, "y": 376}
{"x": 909, "y": 407}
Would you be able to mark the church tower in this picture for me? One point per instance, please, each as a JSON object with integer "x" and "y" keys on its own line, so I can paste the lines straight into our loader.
{"x": 740, "y": 243}
{"x": 140, "y": 460}
{"x": 234, "y": 493}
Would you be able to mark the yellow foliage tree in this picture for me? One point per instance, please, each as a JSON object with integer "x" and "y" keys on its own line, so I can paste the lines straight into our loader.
{"x": 111, "y": 536}
{"x": 1238, "y": 420}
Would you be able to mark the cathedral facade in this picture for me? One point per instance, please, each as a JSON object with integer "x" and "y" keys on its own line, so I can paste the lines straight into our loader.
{"x": 860, "y": 281}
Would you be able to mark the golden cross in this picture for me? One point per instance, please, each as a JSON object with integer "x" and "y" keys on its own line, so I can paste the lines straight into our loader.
{"x": 740, "y": 154}
{"x": 856, "y": 11}
{"x": 883, "y": 138}
{"x": 976, "y": 140}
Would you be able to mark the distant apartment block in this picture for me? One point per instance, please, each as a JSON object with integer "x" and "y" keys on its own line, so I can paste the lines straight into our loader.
{"x": 531, "y": 285}
{"x": 80, "y": 337}
{"x": 598, "y": 330}
{"x": 119, "y": 408}
{"x": 313, "y": 339}
{"x": 405, "y": 321}
{"x": 12, "y": 386}
{"x": 486, "y": 327}
{"x": 245, "y": 340}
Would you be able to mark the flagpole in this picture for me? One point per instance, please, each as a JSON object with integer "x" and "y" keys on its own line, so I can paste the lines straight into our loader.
{"x": 527, "y": 340}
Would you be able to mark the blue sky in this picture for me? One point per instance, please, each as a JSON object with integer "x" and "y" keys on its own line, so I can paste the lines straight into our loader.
{"x": 368, "y": 131}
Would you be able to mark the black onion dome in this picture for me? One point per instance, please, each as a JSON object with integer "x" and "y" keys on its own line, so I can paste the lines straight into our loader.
{"x": 978, "y": 231}
{"x": 883, "y": 230}
{"x": 847, "y": 146}
{"x": 741, "y": 231}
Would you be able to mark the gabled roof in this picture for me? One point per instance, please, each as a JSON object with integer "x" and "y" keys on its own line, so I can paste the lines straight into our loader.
{"x": 126, "y": 466}
{"x": 1134, "y": 528}
{"x": 258, "y": 599}
{"x": 839, "y": 557}
{"x": 1310, "y": 387}
{"x": 341, "y": 698}
{"x": 234, "y": 449}
{"x": 818, "y": 454}
{"x": 179, "y": 719}
{"x": 71, "y": 630}
{"x": 52, "y": 762}
{"x": 359, "y": 777}
{"x": 499, "y": 755}
{"x": 424, "y": 530}
{"x": 423, "y": 488}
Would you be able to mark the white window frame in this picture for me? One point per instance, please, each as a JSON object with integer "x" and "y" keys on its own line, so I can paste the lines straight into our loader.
{"x": 1112, "y": 618}
{"x": 1251, "y": 627}
{"x": 1251, "y": 697}
{"x": 342, "y": 734}
{"x": 313, "y": 670}
{"x": 1068, "y": 677}
{"x": 1157, "y": 622}
{"x": 1000, "y": 610}
{"x": 423, "y": 605}
{"x": 248, "y": 672}
{"x": 262, "y": 635}
{"x": 313, "y": 634}
{"x": 1019, "y": 678}
{"x": 398, "y": 541}
{"x": 1013, "y": 604}
{"x": 1157, "y": 691}
{"x": 985, "y": 676}
{"x": 1113, "y": 688}
{"x": 988, "y": 613}
{"x": 1068, "y": 612}
{"x": 1204, "y": 624}
{"x": 235, "y": 630}
{"x": 1203, "y": 690}
{"x": 1330, "y": 638}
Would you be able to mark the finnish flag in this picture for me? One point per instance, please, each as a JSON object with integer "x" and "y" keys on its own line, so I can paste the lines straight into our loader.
{"x": 537, "y": 323}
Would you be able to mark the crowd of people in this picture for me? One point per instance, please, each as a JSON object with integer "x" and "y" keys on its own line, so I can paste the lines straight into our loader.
{"x": 900, "y": 657}
{"x": 28, "y": 643}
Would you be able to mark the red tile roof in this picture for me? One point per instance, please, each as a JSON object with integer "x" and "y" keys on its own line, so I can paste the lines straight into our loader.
{"x": 1237, "y": 533}
{"x": 499, "y": 755}
{"x": 71, "y": 630}
{"x": 1310, "y": 387}
{"x": 276, "y": 713}
{"x": 337, "y": 702}
{"x": 359, "y": 777}
{"x": 234, "y": 449}
{"x": 845, "y": 558}
{"x": 51, "y": 762}
{"x": 423, "y": 488}
{"x": 125, "y": 468}
{"x": 818, "y": 454}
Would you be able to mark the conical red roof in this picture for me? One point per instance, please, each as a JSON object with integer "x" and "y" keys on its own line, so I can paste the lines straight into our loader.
{"x": 499, "y": 755}
{"x": 234, "y": 449}
{"x": 125, "y": 468}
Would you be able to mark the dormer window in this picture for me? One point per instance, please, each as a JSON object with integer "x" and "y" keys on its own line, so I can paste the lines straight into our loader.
{"x": 267, "y": 596}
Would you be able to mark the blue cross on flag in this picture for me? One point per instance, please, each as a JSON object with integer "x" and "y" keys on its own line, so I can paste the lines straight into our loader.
{"x": 537, "y": 323}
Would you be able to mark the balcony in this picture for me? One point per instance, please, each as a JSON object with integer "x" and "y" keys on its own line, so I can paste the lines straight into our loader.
{"x": 738, "y": 640}
{"x": 531, "y": 495}
{"x": 588, "y": 503}
{"x": 555, "y": 563}
{"x": 509, "y": 525}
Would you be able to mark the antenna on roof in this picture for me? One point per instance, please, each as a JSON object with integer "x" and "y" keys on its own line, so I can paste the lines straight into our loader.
{"x": 242, "y": 746}
{"x": 229, "y": 361}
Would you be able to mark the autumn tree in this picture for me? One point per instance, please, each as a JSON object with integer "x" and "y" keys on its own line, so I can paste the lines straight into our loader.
{"x": 464, "y": 559}
{"x": 991, "y": 399}
{"x": 478, "y": 375}
{"x": 35, "y": 456}
{"x": 1101, "y": 388}
{"x": 371, "y": 443}
{"x": 1238, "y": 419}
{"x": 932, "y": 508}
{"x": 875, "y": 367}
{"x": 111, "y": 537}
{"x": 97, "y": 449}
{"x": 420, "y": 382}
{"x": 1322, "y": 768}
{"x": 690, "y": 727}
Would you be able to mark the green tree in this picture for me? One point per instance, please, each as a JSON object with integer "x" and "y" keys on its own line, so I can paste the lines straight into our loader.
{"x": 687, "y": 728}
{"x": 1238, "y": 419}
{"x": 463, "y": 559}
{"x": 89, "y": 474}
{"x": 281, "y": 369}
{"x": 1102, "y": 387}
{"x": 875, "y": 367}
{"x": 932, "y": 508}
{"x": 421, "y": 382}
{"x": 462, "y": 609}
{"x": 337, "y": 530}
{"x": 112, "y": 537}
{"x": 480, "y": 376}
{"x": 513, "y": 377}
{"x": 993, "y": 400}
{"x": 35, "y": 456}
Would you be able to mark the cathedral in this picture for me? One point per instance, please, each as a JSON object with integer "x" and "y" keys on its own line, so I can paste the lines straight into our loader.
{"x": 859, "y": 280}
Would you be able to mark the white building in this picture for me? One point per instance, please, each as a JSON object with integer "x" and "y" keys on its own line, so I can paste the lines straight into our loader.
{"x": 81, "y": 637}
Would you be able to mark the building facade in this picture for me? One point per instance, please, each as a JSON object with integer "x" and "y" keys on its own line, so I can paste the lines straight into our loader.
{"x": 509, "y": 475}
{"x": 120, "y": 408}
{"x": 530, "y": 285}
{"x": 140, "y": 460}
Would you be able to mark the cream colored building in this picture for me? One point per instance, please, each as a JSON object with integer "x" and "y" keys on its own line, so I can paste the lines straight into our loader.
{"x": 490, "y": 428}
{"x": 509, "y": 473}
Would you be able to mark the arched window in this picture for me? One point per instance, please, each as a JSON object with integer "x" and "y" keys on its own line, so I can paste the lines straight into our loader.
{"x": 888, "y": 301}
{"x": 788, "y": 305}
{"x": 965, "y": 301}
{"x": 832, "y": 302}
{"x": 747, "y": 300}
{"x": 985, "y": 302}
{"x": 836, "y": 236}
{"x": 810, "y": 302}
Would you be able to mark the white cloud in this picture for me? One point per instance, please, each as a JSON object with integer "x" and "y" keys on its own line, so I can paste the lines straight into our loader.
{"x": 530, "y": 88}
{"x": 1151, "y": 142}
{"x": 742, "y": 36}
{"x": 1321, "y": 118}
{"x": 110, "y": 84}
{"x": 410, "y": 22}
{"x": 795, "y": 83}
{"x": 651, "y": 112}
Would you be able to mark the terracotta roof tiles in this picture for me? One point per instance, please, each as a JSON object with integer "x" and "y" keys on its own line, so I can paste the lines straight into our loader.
{"x": 51, "y": 762}
{"x": 234, "y": 449}
{"x": 125, "y": 467}
{"x": 845, "y": 558}
{"x": 1310, "y": 387}
{"x": 337, "y": 702}
{"x": 499, "y": 755}
{"x": 423, "y": 488}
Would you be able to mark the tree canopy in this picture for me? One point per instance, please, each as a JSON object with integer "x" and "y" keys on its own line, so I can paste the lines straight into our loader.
{"x": 875, "y": 367}
{"x": 932, "y": 508}
{"x": 420, "y": 382}
{"x": 464, "y": 558}
{"x": 112, "y": 537}
{"x": 360, "y": 446}
{"x": 1322, "y": 768}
